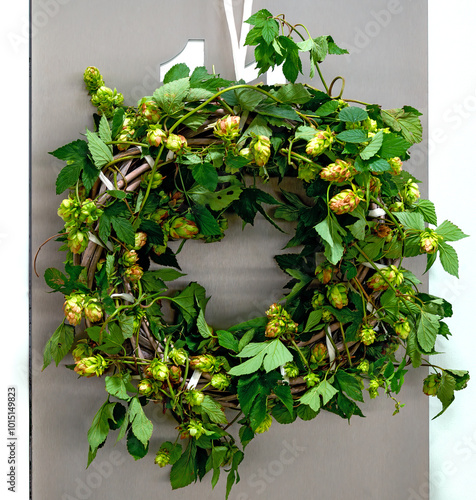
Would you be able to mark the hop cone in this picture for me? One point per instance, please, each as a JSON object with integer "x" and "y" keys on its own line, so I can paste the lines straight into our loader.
{"x": 340, "y": 171}
{"x": 337, "y": 295}
{"x": 321, "y": 141}
{"x": 431, "y": 384}
{"x": 93, "y": 79}
{"x": 344, "y": 202}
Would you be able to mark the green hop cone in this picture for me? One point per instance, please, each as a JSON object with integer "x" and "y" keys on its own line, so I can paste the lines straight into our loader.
{"x": 340, "y": 171}
{"x": 398, "y": 206}
{"x": 429, "y": 240}
{"x": 374, "y": 384}
{"x": 380, "y": 280}
{"x": 410, "y": 192}
{"x": 344, "y": 202}
{"x": 156, "y": 136}
{"x": 158, "y": 370}
{"x": 264, "y": 425}
{"x": 203, "y": 362}
{"x": 261, "y": 149}
{"x": 311, "y": 379}
{"x": 73, "y": 308}
{"x": 431, "y": 384}
{"x": 149, "y": 110}
{"x": 363, "y": 366}
{"x": 291, "y": 369}
{"x": 162, "y": 458}
{"x": 227, "y": 128}
{"x": 148, "y": 387}
{"x": 370, "y": 125}
{"x": 133, "y": 273}
{"x": 175, "y": 374}
{"x": 324, "y": 272}
{"x": 403, "y": 328}
{"x": 321, "y": 141}
{"x": 155, "y": 179}
{"x": 195, "y": 428}
{"x": 375, "y": 184}
{"x": 194, "y": 397}
{"x": 367, "y": 335}
{"x": 274, "y": 311}
{"x": 396, "y": 165}
{"x": 140, "y": 239}
{"x": 220, "y": 381}
{"x": 178, "y": 356}
{"x": 82, "y": 350}
{"x": 77, "y": 240}
{"x": 129, "y": 258}
{"x": 92, "y": 79}
{"x": 89, "y": 212}
{"x": 67, "y": 209}
{"x": 318, "y": 354}
{"x": 181, "y": 227}
{"x": 176, "y": 143}
{"x": 105, "y": 100}
{"x": 307, "y": 171}
{"x": 327, "y": 316}
{"x": 93, "y": 310}
{"x": 337, "y": 295}
{"x": 317, "y": 300}
{"x": 93, "y": 365}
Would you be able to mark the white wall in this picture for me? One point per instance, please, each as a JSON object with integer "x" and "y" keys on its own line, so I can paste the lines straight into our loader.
{"x": 452, "y": 137}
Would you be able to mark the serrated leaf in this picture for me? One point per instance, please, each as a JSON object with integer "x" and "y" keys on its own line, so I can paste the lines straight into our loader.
{"x": 312, "y": 397}
{"x": 99, "y": 429}
{"x": 449, "y": 259}
{"x": 68, "y": 177}
{"x": 170, "y": 96}
{"x": 269, "y": 30}
{"x": 54, "y": 278}
{"x": 393, "y": 146}
{"x": 177, "y": 72}
{"x": 227, "y": 340}
{"x": 117, "y": 121}
{"x": 446, "y": 391}
{"x": 118, "y": 385}
{"x": 330, "y": 230}
{"x": 283, "y": 393}
{"x": 350, "y": 385}
{"x": 427, "y": 209}
{"x": 373, "y": 146}
{"x": 183, "y": 471}
{"x": 105, "y": 131}
{"x": 405, "y": 121}
{"x": 141, "y": 426}
{"x": 58, "y": 345}
{"x": 327, "y": 108}
{"x": 100, "y": 152}
{"x": 206, "y": 175}
{"x": 355, "y": 136}
{"x": 358, "y": 229}
{"x": 450, "y": 231}
{"x": 124, "y": 230}
{"x": 411, "y": 220}
{"x": 207, "y": 224}
{"x": 352, "y": 114}
{"x": 292, "y": 93}
{"x": 313, "y": 320}
{"x": 203, "y": 329}
{"x": 427, "y": 330}
{"x": 213, "y": 410}
{"x": 135, "y": 447}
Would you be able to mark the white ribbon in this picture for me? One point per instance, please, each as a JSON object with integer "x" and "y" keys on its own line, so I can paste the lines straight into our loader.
{"x": 108, "y": 245}
{"x": 125, "y": 296}
{"x": 283, "y": 373}
{"x": 109, "y": 185}
{"x": 330, "y": 347}
{"x": 192, "y": 383}
{"x": 377, "y": 212}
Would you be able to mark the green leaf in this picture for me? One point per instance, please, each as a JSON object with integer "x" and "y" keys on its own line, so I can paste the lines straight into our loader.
{"x": 55, "y": 279}
{"x": 117, "y": 121}
{"x": 350, "y": 385}
{"x": 292, "y": 93}
{"x": 249, "y": 203}
{"x": 99, "y": 429}
{"x": 174, "y": 450}
{"x": 312, "y": 397}
{"x": 283, "y": 393}
{"x": 374, "y": 145}
{"x": 206, "y": 175}
{"x": 170, "y": 96}
{"x": 105, "y": 131}
{"x": 354, "y": 136}
{"x": 135, "y": 447}
{"x": 330, "y": 230}
{"x": 126, "y": 324}
{"x": 333, "y": 48}
{"x": 227, "y": 340}
{"x": 100, "y": 152}
{"x": 313, "y": 320}
{"x": 427, "y": 209}
{"x": 270, "y": 30}
{"x": 461, "y": 378}
{"x": 405, "y": 121}
{"x": 427, "y": 330}
{"x": 117, "y": 385}
{"x": 216, "y": 201}
{"x": 449, "y": 259}
{"x": 378, "y": 165}
{"x": 393, "y": 145}
{"x": 327, "y": 109}
{"x": 411, "y": 220}
{"x": 183, "y": 471}
{"x": 358, "y": 229}
{"x": 305, "y": 133}
{"x": 141, "y": 426}
{"x": 318, "y": 49}
{"x": 68, "y": 177}
{"x": 450, "y": 231}
{"x": 58, "y": 345}
{"x": 213, "y": 410}
{"x": 124, "y": 230}
{"x": 248, "y": 99}
{"x": 446, "y": 391}
{"x": 353, "y": 114}
{"x": 206, "y": 223}
{"x": 284, "y": 112}
{"x": 305, "y": 412}
{"x": 269, "y": 354}
{"x": 259, "y": 18}
{"x": 179, "y": 71}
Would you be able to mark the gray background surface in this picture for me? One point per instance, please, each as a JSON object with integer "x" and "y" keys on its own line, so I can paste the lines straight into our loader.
{"x": 379, "y": 457}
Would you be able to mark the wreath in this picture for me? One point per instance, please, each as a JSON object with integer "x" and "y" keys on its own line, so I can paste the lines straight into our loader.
{"x": 171, "y": 168}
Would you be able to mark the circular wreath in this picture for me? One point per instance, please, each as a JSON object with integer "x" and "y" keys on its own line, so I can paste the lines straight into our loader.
{"x": 172, "y": 168}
